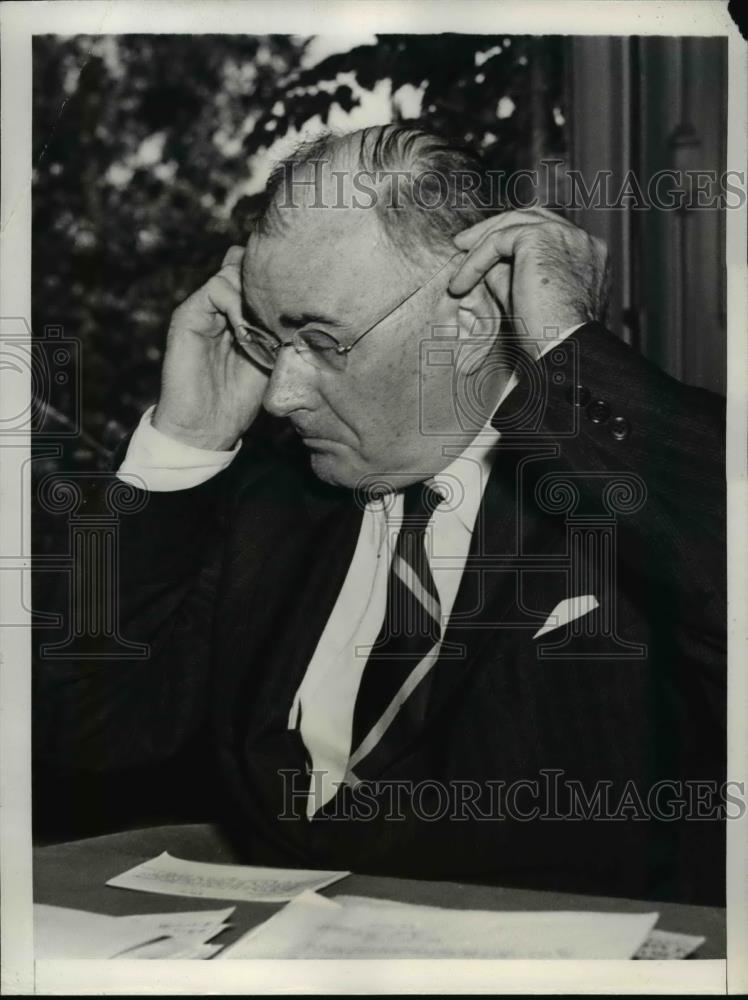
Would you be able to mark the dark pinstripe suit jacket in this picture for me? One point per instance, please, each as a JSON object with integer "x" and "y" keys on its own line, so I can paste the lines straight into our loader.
{"x": 609, "y": 480}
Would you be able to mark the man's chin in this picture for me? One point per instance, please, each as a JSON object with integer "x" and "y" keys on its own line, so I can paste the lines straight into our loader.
{"x": 332, "y": 469}
{"x": 338, "y": 470}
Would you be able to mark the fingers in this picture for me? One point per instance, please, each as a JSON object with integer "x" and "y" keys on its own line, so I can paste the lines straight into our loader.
{"x": 499, "y": 280}
{"x": 530, "y": 216}
{"x": 233, "y": 257}
{"x": 225, "y": 298}
{"x": 486, "y": 244}
{"x": 496, "y": 246}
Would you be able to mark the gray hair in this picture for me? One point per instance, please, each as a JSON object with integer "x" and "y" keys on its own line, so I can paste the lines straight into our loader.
{"x": 441, "y": 183}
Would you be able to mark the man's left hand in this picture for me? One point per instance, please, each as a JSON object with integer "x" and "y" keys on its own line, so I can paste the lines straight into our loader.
{"x": 546, "y": 273}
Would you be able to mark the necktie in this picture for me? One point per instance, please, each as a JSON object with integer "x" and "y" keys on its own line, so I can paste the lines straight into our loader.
{"x": 408, "y": 639}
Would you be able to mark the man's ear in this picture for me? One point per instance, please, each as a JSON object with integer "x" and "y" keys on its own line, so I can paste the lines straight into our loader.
{"x": 477, "y": 318}
{"x": 478, "y": 314}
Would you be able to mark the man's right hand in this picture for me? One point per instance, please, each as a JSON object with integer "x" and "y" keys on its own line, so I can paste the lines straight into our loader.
{"x": 210, "y": 391}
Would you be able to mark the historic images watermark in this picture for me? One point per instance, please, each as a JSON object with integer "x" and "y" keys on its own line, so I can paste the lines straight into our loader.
{"x": 314, "y": 183}
{"x": 550, "y": 795}
{"x": 87, "y": 568}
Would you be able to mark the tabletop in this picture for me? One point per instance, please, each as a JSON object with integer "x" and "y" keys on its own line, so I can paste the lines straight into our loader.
{"x": 74, "y": 874}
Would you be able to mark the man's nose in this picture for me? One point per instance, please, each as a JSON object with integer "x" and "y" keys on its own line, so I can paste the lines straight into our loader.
{"x": 291, "y": 384}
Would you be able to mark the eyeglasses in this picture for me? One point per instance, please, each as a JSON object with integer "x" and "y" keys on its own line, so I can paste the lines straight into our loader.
{"x": 320, "y": 349}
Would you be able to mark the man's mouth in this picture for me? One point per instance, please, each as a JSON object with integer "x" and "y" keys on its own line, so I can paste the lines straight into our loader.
{"x": 317, "y": 443}
{"x": 312, "y": 439}
{"x": 308, "y": 434}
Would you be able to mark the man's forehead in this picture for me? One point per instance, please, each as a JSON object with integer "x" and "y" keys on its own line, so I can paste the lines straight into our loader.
{"x": 324, "y": 256}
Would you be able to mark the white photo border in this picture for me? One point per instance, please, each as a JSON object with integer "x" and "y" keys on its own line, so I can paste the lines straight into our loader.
{"x": 20, "y": 20}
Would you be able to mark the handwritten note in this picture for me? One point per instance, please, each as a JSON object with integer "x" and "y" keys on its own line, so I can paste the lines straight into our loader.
{"x": 176, "y": 877}
{"x": 353, "y": 927}
{"x": 64, "y": 933}
{"x": 668, "y": 945}
{"x": 60, "y": 932}
{"x": 173, "y": 948}
{"x": 198, "y": 926}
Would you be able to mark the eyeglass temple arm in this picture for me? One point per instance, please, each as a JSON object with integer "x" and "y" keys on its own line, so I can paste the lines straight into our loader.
{"x": 345, "y": 348}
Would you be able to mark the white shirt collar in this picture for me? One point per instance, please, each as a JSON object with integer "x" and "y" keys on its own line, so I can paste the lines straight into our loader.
{"x": 463, "y": 481}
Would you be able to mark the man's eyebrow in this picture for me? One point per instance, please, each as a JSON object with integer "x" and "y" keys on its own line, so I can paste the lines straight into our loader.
{"x": 303, "y": 319}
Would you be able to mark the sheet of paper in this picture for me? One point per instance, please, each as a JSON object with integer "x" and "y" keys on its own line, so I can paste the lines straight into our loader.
{"x": 659, "y": 945}
{"x": 173, "y": 948}
{"x": 354, "y": 927}
{"x": 669, "y": 945}
{"x": 199, "y": 926}
{"x": 64, "y": 933}
{"x": 175, "y": 877}
{"x": 60, "y": 932}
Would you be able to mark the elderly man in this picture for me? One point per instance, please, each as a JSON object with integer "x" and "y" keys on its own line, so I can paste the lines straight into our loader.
{"x": 454, "y": 605}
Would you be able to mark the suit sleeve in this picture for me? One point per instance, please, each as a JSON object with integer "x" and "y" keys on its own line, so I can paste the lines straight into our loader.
{"x": 606, "y": 410}
{"x": 594, "y": 413}
{"x": 122, "y": 682}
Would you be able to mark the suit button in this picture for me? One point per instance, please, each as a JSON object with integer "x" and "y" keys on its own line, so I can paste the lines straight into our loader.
{"x": 619, "y": 428}
{"x": 598, "y": 411}
{"x": 578, "y": 395}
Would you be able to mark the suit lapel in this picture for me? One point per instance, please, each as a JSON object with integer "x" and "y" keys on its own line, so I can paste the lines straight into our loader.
{"x": 490, "y": 602}
{"x": 491, "y": 605}
{"x": 285, "y": 588}
{"x": 315, "y": 552}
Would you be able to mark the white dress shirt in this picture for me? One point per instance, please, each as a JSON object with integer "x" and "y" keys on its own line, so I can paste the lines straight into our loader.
{"x": 326, "y": 696}
{"x": 325, "y": 700}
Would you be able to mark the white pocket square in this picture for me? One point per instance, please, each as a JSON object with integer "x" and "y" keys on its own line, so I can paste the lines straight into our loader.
{"x": 567, "y": 611}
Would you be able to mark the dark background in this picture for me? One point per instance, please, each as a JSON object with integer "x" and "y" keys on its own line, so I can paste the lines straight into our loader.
{"x": 144, "y": 144}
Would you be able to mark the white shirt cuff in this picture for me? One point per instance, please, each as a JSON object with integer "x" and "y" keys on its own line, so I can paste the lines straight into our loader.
{"x": 166, "y": 465}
